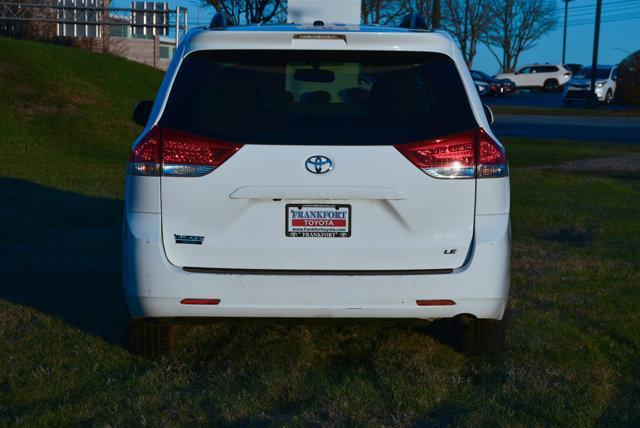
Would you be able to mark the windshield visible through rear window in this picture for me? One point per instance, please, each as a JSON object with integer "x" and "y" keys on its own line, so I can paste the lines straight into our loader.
{"x": 318, "y": 97}
{"x": 585, "y": 73}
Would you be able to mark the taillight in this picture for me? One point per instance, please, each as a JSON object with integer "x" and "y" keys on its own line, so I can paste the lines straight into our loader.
{"x": 167, "y": 152}
{"x": 467, "y": 154}
{"x": 492, "y": 160}
{"x": 145, "y": 155}
{"x": 449, "y": 157}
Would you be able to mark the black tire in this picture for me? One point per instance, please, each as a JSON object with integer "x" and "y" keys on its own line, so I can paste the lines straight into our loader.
{"x": 482, "y": 336}
{"x": 608, "y": 99}
{"x": 551, "y": 85}
{"x": 149, "y": 338}
{"x": 568, "y": 102}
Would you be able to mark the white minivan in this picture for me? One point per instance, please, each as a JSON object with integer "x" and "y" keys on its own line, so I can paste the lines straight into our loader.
{"x": 316, "y": 171}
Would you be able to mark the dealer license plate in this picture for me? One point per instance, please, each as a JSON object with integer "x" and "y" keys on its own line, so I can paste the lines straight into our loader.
{"x": 318, "y": 221}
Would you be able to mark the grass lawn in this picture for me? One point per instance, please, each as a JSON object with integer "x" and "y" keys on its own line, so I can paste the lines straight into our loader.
{"x": 573, "y": 339}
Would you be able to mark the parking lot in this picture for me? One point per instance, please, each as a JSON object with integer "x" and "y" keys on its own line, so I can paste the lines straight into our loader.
{"x": 545, "y": 100}
{"x": 543, "y": 115}
{"x": 587, "y": 128}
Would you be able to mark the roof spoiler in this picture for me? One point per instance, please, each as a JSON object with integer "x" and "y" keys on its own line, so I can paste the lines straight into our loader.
{"x": 220, "y": 21}
{"x": 414, "y": 21}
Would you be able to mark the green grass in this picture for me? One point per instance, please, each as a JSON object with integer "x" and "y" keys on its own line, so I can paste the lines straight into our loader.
{"x": 573, "y": 338}
{"x": 544, "y": 111}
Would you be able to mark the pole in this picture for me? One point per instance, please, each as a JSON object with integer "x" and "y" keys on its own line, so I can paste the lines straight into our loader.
{"x": 564, "y": 35}
{"x": 177, "y": 24}
{"x": 435, "y": 16}
{"x": 593, "y": 102}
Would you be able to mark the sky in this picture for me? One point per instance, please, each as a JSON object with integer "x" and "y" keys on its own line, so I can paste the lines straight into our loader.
{"x": 619, "y": 33}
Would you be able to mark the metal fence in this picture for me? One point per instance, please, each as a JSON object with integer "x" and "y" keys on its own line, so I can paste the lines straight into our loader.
{"x": 85, "y": 18}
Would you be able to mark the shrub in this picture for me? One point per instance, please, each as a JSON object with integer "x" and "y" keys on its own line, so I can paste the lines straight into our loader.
{"x": 629, "y": 78}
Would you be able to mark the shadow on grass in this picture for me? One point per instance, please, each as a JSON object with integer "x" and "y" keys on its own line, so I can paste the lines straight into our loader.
{"x": 61, "y": 255}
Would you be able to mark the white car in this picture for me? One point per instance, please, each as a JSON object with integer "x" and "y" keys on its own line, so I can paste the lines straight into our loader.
{"x": 579, "y": 87}
{"x": 549, "y": 77}
{"x": 316, "y": 171}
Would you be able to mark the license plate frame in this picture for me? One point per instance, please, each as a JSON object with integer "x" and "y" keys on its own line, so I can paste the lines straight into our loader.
{"x": 319, "y": 230}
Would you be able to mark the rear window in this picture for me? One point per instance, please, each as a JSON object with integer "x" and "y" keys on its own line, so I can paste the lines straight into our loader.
{"x": 585, "y": 73}
{"x": 318, "y": 97}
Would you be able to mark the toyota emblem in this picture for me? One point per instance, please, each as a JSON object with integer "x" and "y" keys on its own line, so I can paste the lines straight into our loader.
{"x": 318, "y": 164}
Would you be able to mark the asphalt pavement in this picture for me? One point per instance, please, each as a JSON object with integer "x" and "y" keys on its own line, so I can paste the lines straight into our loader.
{"x": 585, "y": 128}
{"x": 544, "y": 100}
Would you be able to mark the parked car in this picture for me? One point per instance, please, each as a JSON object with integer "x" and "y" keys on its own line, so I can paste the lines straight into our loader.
{"x": 482, "y": 88}
{"x": 494, "y": 86}
{"x": 265, "y": 185}
{"x": 573, "y": 68}
{"x": 508, "y": 85}
{"x": 579, "y": 87}
{"x": 548, "y": 77}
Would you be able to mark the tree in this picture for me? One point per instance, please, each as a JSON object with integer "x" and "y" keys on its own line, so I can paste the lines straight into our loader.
{"x": 468, "y": 21}
{"x": 250, "y": 11}
{"x": 381, "y": 12}
{"x": 421, "y": 7}
{"x": 629, "y": 79}
{"x": 517, "y": 27}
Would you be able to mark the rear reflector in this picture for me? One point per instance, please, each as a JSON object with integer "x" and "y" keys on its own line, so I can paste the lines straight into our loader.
{"x": 166, "y": 152}
{"x": 442, "y": 302}
{"x": 200, "y": 301}
{"x": 467, "y": 154}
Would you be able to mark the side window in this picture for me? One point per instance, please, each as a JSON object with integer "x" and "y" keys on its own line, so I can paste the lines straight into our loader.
{"x": 525, "y": 70}
{"x": 614, "y": 73}
{"x": 475, "y": 75}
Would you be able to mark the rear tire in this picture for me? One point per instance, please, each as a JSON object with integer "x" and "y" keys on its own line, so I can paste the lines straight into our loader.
{"x": 482, "y": 336}
{"x": 149, "y": 338}
{"x": 551, "y": 85}
{"x": 608, "y": 99}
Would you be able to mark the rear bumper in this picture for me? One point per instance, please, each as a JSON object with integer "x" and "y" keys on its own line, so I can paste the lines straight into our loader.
{"x": 154, "y": 287}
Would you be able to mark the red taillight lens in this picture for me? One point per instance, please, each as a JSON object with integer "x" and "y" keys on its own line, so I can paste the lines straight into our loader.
{"x": 168, "y": 152}
{"x": 492, "y": 160}
{"x": 189, "y": 155}
{"x": 464, "y": 155}
{"x": 452, "y": 156}
{"x": 145, "y": 155}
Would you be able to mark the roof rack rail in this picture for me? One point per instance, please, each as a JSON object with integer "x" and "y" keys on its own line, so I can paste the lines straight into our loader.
{"x": 414, "y": 21}
{"x": 220, "y": 21}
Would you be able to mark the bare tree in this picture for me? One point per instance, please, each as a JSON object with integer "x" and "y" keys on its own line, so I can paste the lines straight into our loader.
{"x": 517, "y": 27}
{"x": 468, "y": 21}
{"x": 423, "y": 8}
{"x": 250, "y": 11}
{"x": 381, "y": 12}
